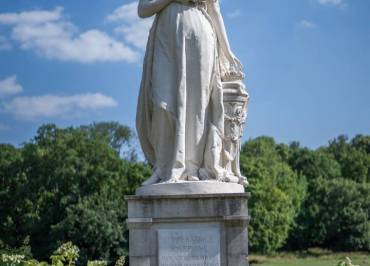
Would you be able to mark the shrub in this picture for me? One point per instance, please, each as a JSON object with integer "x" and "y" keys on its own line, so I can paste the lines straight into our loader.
{"x": 66, "y": 255}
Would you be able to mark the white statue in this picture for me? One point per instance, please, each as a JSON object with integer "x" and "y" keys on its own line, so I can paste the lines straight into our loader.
{"x": 181, "y": 113}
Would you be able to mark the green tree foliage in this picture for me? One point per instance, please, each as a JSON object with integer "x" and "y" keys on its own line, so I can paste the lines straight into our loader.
{"x": 353, "y": 157}
{"x": 345, "y": 210}
{"x": 64, "y": 166}
{"x": 13, "y": 209}
{"x": 100, "y": 218}
{"x": 68, "y": 184}
{"x": 335, "y": 213}
{"x": 67, "y": 254}
{"x": 315, "y": 167}
{"x": 277, "y": 193}
{"x": 118, "y": 136}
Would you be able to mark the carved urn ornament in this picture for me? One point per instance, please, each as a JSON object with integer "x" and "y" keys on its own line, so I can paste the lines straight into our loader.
{"x": 236, "y": 105}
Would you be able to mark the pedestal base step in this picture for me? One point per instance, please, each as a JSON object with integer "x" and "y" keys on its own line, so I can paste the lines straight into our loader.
{"x": 190, "y": 188}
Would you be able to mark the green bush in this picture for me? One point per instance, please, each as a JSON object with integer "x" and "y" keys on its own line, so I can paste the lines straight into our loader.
{"x": 66, "y": 255}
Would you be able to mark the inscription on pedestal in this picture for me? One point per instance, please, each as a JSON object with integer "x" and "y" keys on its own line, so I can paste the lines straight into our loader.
{"x": 189, "y": 247}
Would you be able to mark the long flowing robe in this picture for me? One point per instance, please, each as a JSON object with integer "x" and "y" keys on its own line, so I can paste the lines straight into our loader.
{"x": 180, "y": 114}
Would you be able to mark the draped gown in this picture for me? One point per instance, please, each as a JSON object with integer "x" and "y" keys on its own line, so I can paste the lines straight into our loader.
{"x": 180, "y": 113}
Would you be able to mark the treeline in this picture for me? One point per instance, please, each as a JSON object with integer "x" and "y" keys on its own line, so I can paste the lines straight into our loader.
{"x": 305, "y": 198}
{"x": 69, "y": 185}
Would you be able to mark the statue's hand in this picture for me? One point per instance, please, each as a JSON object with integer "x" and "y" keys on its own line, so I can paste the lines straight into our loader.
{"x": 233, "y": 70}
{"x": 236, "y": 67}
{"x": 236, "y": 62}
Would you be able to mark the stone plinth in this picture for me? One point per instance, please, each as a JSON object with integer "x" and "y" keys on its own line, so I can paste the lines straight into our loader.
{"x": 190, "y": 188}
{"x": 188, "y": 230}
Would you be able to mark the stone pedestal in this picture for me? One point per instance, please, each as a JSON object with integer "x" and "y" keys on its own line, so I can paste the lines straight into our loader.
{"x": 188, "y": 230}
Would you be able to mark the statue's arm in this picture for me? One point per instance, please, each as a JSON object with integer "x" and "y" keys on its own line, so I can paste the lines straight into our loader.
{"x": 219, "y": 26}
{"x": 148, "y": 8}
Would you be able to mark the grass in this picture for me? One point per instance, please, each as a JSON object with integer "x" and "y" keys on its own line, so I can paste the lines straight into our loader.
{"x": 312, "y": 257}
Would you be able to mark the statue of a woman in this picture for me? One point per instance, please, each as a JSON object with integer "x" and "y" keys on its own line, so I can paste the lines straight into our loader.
{"x": 180, "y": 115}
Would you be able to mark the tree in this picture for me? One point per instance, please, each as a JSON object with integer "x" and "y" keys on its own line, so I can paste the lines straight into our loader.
{"x": 13, "y": 210}
{"x": 277, "y": 193}
{"x": 353, "y": 156}
{"x": 97, "y": 222}
{"x": 337, "y": 185}
{"x": 97, "y": 225}
{"x": 118, "y": 136}
{"x": 340, "y": 219}
{"x": 69, "y": 184}
{"x": 315, "y": 167}
{"x": 345, "y": 213}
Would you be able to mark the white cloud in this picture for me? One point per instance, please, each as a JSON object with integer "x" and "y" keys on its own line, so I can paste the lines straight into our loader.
{"x": 339, "y": 3}
{"x": 234, "y": 14}
{"x": 306, "y": 24}
{"x": 54, "y": 106}
{"x": 133, "y": 29}
{"x": 136, "y": 34}
{"x": 126, "y": 13}
{"x": 51, "y": 35}
{"x": 9, "y": 86}
{"x": 31, "y": 17}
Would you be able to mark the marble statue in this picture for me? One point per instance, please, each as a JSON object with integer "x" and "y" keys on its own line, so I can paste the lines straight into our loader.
{"x": 191, "y": 112}
{"x": 192, "y": 104}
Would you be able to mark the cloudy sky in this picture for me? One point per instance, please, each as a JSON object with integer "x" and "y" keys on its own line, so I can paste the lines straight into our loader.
{"x": 72, "y": 62}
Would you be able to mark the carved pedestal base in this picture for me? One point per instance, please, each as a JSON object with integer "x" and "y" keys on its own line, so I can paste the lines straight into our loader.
{"x": 188, "y": 230}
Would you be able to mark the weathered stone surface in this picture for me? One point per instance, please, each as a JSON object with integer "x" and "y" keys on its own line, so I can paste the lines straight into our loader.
{"x": 190, "y": 188}
{"x": 220, "y": 218}
{"x": 197, "y": 246}
{"x": 186, "y": 130}
{"x": 189, "y": 127}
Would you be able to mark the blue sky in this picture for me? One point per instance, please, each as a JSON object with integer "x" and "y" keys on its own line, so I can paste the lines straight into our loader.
{"x": 73, "y": 62}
